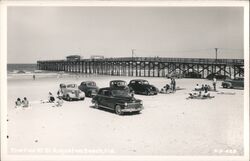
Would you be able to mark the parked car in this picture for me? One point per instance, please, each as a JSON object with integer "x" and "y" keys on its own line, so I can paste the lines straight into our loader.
{"x": 89, "y": 88}
{"x": 217, "y": 76}
{"x": 192, "y": 75}
{"x": 141, "y": 86}
{"x": 119, "y": 84}
{"x": 232, "y": 83}
{"x": 174, "y": 75}
{"x": 117, "y": 100}
{"x": 71, "y": 92}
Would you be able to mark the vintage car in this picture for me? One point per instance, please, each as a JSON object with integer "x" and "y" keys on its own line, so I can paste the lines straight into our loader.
{"x": 117, "y": 100}
{"x": 217, "y": 76}
{"x": 89, "y": 88}
{"x": 192, "y": 75}
{"x": 119, "y": 84}
{"x": 141, "y": 86}
{"x": 232, "y": 83}
{"x": 174, "y": 75}
{"x": 71, "y": 92}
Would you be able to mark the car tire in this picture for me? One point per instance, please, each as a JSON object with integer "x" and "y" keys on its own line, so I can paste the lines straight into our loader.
{"x": 96, "y": 105}
{"x": 89, "y": 94}
{"x": 68, "y": 98}
{"x": 224, "y": 85}
{"x": 118, "y": 110}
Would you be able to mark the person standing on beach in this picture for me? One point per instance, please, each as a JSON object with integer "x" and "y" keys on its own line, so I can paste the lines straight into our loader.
{"x": 34, "y": 77}
{"x": 173, "y": 84}
{"x": 214, "y": 83}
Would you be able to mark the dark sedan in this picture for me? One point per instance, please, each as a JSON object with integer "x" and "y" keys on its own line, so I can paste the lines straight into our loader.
{"x": 117, "y": 100}
{"x": 233, "y": 83}
{"x": 192, "y": 75}
{"x": 141, "y": 86}
{"x": 217, "y": 76}
{"x": 89, "y": 88}
{"x": 119, "y": 84}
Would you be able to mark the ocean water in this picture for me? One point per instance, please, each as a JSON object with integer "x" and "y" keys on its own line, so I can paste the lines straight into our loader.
{"x": 21, "y": 68}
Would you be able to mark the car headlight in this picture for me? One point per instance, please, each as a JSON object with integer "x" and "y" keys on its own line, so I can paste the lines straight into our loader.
{"x": 125, "y": 104}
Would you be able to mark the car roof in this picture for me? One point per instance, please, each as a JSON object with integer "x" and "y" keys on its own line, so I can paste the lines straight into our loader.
{"x": 138, "y": 80}
{"x": 106, "y": 88}
{"x": 87, "y": 81}
{"x": 68, "y": 83}
{"x": 117, "y": 81}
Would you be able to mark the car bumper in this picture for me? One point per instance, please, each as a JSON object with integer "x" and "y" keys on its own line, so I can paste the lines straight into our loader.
{"x": 153, "y": 92}
{"x": 77, "y": 97}
{"x": 131, "y": 110}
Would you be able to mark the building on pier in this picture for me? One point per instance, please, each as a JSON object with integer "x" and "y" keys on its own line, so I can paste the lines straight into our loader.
{"x": 73, "y": 57}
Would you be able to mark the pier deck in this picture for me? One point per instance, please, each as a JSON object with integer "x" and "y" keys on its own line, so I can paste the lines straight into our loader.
{"x": 147, "y": 66}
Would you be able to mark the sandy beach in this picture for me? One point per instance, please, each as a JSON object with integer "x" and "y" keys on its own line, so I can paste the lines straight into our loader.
{"x": 169, "y": 124}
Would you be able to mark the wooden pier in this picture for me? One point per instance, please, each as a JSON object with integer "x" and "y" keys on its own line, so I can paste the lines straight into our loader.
{"x": 146, "y": 66}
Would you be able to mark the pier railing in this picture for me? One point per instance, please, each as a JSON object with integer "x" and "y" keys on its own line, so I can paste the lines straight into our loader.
{"x": 163, "y": 59}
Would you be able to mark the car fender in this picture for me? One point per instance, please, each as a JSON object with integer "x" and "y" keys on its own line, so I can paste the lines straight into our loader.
{"x": 229, "y": 84}
{"x": 82, "y": 94}
{"x": 70, "y": 94}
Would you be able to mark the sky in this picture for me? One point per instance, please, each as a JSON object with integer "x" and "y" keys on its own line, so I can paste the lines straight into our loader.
{"x": 52, "y": 33}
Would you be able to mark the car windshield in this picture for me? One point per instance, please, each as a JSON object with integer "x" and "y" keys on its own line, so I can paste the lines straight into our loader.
{"x": 91, "y": 84}
{"x": 239, "y": 79}
{"x": 120, "y": 83}
{"x": 145, "y": 82}
{"x": 71, "y": 86}
{"x": 120, "y": 93}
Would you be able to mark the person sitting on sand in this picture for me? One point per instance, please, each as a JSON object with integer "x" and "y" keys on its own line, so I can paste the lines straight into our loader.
{"x": 202, "y": 87}
{"x": 18, "y": 102}
{"x": 25, "y": 102}
{"x": 167, "y": 87}
{"x": 197, "y": 88}
{"x": 206, "y": 94}
{"x": 206, "y": 88}
{"x": 51, "y": 98}
{"x": 59, "y": 102}
{"x": 59, "y": 93}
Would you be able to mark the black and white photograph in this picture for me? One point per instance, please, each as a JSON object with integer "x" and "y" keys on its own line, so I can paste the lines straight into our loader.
{"x": 114, "y": 81}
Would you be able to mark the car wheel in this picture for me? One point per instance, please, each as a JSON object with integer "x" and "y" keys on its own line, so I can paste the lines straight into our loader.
{"x": 118, "y": 110}
{"x": 89, "y": 94}
{"x": 224, "y": 86}
{"x": 96, "y": 105}
{"x": 68, "y": 98}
